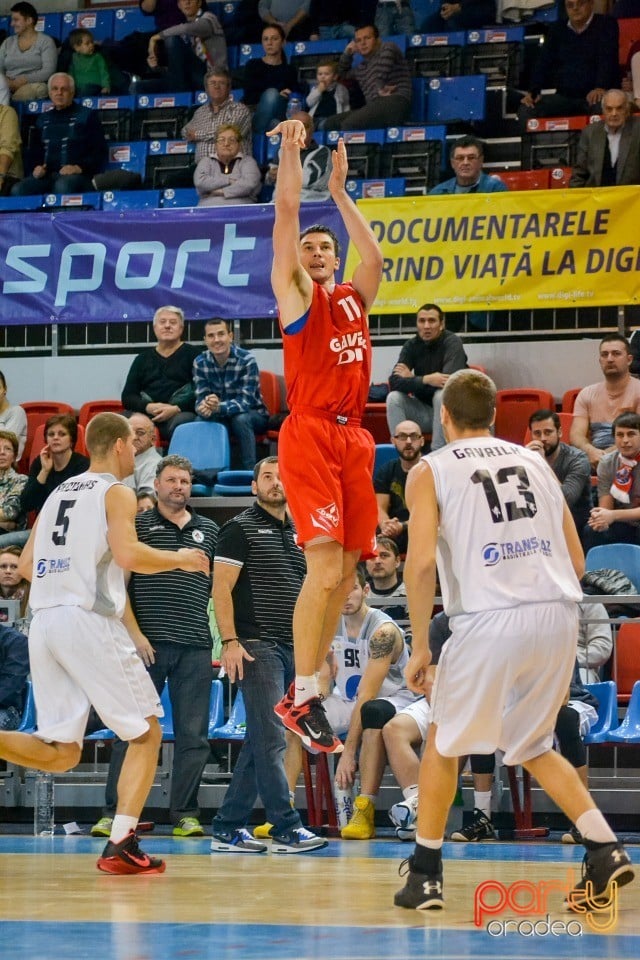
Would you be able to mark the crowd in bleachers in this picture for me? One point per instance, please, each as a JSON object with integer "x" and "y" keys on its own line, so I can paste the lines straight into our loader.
{"x": 440, "y": 73}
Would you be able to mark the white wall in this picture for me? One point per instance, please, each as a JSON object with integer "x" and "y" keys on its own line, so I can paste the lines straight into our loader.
{"x": 554, "y": 365}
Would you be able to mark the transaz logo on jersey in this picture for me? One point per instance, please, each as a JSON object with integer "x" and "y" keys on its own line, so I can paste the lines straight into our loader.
{"x": 60, "y": 565}
{"x": 351, "y": 348}
{"x": 493, "y": 553}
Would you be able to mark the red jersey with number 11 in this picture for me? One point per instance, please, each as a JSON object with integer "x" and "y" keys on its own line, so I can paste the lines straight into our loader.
{"x": 327, "y": 353}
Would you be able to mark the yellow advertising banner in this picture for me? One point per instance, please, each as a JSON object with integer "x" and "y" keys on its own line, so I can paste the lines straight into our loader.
{"x": 505, "y": 251}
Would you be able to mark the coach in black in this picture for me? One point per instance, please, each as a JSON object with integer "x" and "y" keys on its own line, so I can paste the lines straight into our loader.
{"x": 169, "y": 624}
{"x": 258, "y": 573}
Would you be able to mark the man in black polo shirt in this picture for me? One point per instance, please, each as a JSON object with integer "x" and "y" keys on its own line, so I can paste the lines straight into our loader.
{"x": 168, "y": 621}
{"x": 258, "y": 573}
{"x": 418, "y": 378}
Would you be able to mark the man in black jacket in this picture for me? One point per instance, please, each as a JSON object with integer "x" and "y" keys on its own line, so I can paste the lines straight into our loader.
{"x": 424, "y": 366}
{"x": 68, "y": 146}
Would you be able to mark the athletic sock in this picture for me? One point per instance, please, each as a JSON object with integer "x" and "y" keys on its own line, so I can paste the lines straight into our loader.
{"x": 410, "y": 792}
{"x": 122, "y": 827}
{"x": 305, "y": 689}
{"x": 593, "y": 826}
{"x": 482, "y": 802}
{"x": 427, "y": 857}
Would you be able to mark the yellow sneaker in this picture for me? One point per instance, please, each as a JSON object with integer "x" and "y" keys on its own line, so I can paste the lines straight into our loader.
{"x": 263, "y": 832}
{"x": 361, "y": 826}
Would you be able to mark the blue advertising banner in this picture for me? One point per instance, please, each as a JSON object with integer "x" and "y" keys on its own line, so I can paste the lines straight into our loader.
{"x": 79, "y": 267}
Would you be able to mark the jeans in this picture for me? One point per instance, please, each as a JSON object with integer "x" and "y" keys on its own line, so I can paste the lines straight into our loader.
{"x": 244, "y": 426}
{"x": 53, "y": 183}
{"x": 337, "y": 31}
{"x": 270, "y": 110}
{"x": 14, "y": 538}
{"x": 380, "y": 112}
{"x": 391, "y": 22}
{"x": 9, "y": 718}
{"x": 260, "y": 765}
{"x": 189, "y": 674}
{"x": 618, "y": 532}
{"x": 166, "y": 427}
{"x": 400, "y": 406}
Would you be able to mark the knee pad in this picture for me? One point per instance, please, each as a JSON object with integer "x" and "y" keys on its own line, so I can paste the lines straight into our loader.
{"x": 375, "y": 713}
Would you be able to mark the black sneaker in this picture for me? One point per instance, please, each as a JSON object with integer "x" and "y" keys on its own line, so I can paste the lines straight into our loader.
{"x": 602, "y": 865}
{"x": 421, "y": 891}
{"x": 572, "y": 835}
{"x": 480, "y": 828}
{"x": 126, "y": 857}
{"x": 310, "y": 722}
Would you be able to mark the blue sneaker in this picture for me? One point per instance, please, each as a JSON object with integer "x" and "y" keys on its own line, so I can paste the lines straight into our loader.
{"x": 297, "y": 841}
{"x": 239, "y": 841}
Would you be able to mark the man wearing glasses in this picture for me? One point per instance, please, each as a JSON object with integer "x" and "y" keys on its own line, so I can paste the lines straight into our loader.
{"x": 389, "y": 483}
{"x": 467, "y": 157}
{"x": 417, "y": 380}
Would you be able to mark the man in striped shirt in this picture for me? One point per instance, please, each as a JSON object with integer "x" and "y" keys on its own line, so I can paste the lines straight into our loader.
{"x": 167, "y": 619}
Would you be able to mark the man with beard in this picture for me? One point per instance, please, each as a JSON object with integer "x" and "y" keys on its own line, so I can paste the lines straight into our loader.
{"x": 424, "y": 366}
{"x": 258, "y": 573}
{"x": 570, "y": 465}
{"x": 598, "y": 405}
{"x": 390, "y": 481}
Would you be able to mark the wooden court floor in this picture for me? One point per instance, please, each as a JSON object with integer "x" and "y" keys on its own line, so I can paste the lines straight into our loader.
{"x": 334, "y": 903}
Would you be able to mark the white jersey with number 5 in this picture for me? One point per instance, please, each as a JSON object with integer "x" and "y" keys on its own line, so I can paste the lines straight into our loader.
{"x": 72, "y": 561}
{"x": 500, "y": 541}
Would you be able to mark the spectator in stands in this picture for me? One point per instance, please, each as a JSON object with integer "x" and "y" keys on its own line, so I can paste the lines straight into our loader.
{"x": 27, "y": 59}
{"x": 332, "y": 19}
{"x": 326, "y": 97}
{"x": 227, "y": 387}
{"x": 616, "y": 519}
{"x": 316, "y": 165}
{"x": 269, "y": 80}
{"x": 147, "y": 457}
{"x": 229, "y": 176}
{"x": 130, "y": 53}
{"x": 14, "y": 670}
{"x": 190, "y": 48}
{"x": 384, "y": 77}
{"x": 159, "y": 380}
{"x": 12, "y": 585}
{"x": 145, "y": 501}
{"x": 395, "y": 17}
{"x": 467, "y": 156}
{"x": 88, "y": 67}
{"x": 57, "y": 461}
{"x": 10, "y": 150}
{"x": 221, "y": 110}
{"x": 67, "y": 146}
{"x": 463, "y": 15}
{"x": 12, "y": 418}
{"x": 595, "y": 638}
{"x": 291, "y": 15}
{"x": 580, "y": 59}
{"x": 12, "y": 516}
{"x": 390, "y": 480}
{"x": 384, "y": 579}
{"x": 167, "y": 620}
{"x": 598, "y": 405}
{"x": 570, "y": 465}
{"x": 424, "y": 366}
{"x": 609, "y": 152}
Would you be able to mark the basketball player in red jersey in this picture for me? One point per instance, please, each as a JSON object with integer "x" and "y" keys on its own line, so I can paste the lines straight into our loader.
{"x": 326, "y": 458}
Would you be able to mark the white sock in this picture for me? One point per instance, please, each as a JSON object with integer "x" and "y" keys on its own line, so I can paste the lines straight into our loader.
{"x": 482, "y": 801}
{"x": 305, "y": 689}
{"x": 410, "y": 792}
{"x": 122, "y": 827}
{"x": 430, "y": 844}
{"x": 593, "y": 826}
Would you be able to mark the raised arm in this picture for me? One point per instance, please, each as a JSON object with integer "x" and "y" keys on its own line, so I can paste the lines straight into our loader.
{"x": 291, "y": 284}
{"x": 367, "y": 275}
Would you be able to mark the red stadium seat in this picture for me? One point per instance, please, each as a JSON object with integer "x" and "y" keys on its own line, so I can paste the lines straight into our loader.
{"x": 569, "y": 399}
{"x": 626, "y": 662}
{"x": 38, "y": 412}
{"x": 39, "y": 441}
{"x": 566, "y": 420}
{"x": 92, "y": 407}
{"x": 513, "y": 409}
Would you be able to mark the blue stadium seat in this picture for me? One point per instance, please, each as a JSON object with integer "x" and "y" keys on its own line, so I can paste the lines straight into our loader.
{"x": 129, "y": 19}
{"x": 607, "y": 696}
{"x": 51, "y": 24}
{"x": 28, "y": 721}
{"x": 206, "y": 445}
{"x": 384, "y": 453}
{"x": 115, "y": 113}
{"x": 99, "y": 22}
{"x": 130, "y": 199}
{"x": 166, "y": 722}
{"x": 179, "y": 197}
{"x": 436, "y": 55}
{"x": 616, "y": 556}
{"x": 71, "y": 201}
{"x": 452, "y": 99}
{"x": 233, "y": 483}
{"x": 249, "y": 51}
{"x": 160, "y": 116}
{"x": 629, "y": 729}
{"x": 170, "y": 163}
{"x": 364, "y": 148}
{"x": 128, "y": 156}
{"x": 13, "y": 204}
{"x": 369, "y": 189}
{"x": 216, "y": 708}
{"x": 236, "y": 725}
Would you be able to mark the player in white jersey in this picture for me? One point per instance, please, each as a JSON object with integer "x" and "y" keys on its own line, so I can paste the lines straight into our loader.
{"x": 494, "y": 516}
{"x": 79, "y": 649}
